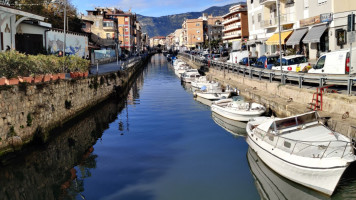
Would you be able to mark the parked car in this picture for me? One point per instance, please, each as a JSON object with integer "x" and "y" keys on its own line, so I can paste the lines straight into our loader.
{"x": 337, "y": 62}
{"x": 216, "y": 57}
{"x": 244, "y": 61}
{"x": 266, "y": 62}
{"x": 294, "y": 63}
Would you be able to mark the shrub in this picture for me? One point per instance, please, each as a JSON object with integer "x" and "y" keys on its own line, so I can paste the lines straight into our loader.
{"x": 13, "y": 64}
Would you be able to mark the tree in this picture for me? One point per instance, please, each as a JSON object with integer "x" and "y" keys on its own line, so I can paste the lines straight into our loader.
{"x": 53, "y": 12}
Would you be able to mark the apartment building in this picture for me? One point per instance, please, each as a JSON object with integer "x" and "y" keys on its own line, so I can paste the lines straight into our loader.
{"x": 309, "y": 27}
{"x": 215, "y": 27}
{"x": 157, "y": 40}
{"x": 178, "y": 39}
{"x": 236, "y": 23}
{"x": 103, "y": 29}
{"x": 193, "y": 33}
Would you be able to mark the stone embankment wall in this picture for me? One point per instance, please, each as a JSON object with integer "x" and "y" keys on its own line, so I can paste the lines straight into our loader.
{"x": 28, "y": 111}
{"x": 288, "y": 100}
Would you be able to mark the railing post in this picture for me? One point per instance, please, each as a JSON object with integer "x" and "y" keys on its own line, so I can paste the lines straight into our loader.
{"x": 260, "y": 75}
{"x": 321, "y": 82}
{"x": 349, "y": 86}
{"x": 270, "y": 77}
{"x": 244, "y": 69}
{"x": 300, "y": 81}
{"x": 250, "y": 73}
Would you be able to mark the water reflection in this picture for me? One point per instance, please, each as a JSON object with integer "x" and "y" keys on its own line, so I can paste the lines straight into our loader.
{"x": 272, "y": 186}
{"x": 57, "y": 170}
{"x": 236, "y": 128}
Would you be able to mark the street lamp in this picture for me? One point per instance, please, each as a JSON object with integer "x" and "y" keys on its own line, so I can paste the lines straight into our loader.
{"x": 280, "y": 40}
{"x": 63, "y": 2}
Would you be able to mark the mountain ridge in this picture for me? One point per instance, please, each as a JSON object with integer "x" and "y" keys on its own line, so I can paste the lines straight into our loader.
{"x": 164, "y": 25}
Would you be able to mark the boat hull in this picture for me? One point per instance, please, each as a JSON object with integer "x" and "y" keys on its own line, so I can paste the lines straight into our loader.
{"x": 213, "y": 96}
{"x": 320, "y": 179}
{"x": 244, "y": 116}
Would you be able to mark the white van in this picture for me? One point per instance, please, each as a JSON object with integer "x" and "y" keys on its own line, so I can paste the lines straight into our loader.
{"x": 293, "y": 63}
{"x": 236, "y": 56}
{"x": 337, "y": 62}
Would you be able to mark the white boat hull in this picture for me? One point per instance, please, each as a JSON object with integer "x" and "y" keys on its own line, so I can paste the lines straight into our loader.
{"x": 322, "y": 179}
{"x": 238, "y": 115}
{"x": 213, "y": 96}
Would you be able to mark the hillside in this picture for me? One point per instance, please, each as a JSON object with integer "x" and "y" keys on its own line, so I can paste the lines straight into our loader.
{"x": 162, "y": 26}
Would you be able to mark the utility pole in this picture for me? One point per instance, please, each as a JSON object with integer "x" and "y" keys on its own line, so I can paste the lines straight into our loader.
{"x": 65, "y": 27}
{"x": 280, "y": 40}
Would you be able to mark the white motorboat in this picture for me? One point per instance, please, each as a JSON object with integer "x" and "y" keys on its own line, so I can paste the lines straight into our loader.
{"x": 181, "y": 69}
{"x": 237, "y": 109}
{"x": 272, "y": 186}
{"x": 190, "y": 75}
{"x": 234, "y": 127}
{"x": 302, "y": 149}
{"x": 212, "y": 93}
{"x": 202, "y": 81}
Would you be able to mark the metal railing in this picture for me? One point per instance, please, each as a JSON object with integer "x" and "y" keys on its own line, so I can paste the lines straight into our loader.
{"x": 261, "y": 73}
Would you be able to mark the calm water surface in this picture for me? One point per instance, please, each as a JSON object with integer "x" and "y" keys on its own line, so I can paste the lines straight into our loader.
{"x": 159, "y": 144}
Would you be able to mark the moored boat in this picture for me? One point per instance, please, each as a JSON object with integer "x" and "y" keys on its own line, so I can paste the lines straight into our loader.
{"x": 190, "y": 75}
{"x": 237, "y": 109}
{"x": 302, "y": 149}
{"x": 234, "y": 127}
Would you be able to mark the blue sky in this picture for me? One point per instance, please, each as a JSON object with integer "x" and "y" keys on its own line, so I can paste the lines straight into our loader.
{"x": 153, "y": 8}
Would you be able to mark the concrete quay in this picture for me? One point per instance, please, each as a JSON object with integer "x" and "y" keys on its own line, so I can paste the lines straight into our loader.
{"x": 287, "y": 100}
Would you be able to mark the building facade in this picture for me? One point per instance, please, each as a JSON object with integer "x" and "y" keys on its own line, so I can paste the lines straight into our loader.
{"x": 236, "y": 23}
{"x": 309, "y": 27}
{"x": 194, "y": 33}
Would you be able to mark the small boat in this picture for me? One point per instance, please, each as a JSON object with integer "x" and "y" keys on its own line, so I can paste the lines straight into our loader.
{"x": 202, "y": 81}
{"x": 234, "y": 127}
{"x": 190, "y": 75}
{"x": 272, "y": 186}
{"x": 181, "y": 69}
{"x": 237, "y": 109}
{"x": 302, "y": 149}
{"x": 212, "y": 93}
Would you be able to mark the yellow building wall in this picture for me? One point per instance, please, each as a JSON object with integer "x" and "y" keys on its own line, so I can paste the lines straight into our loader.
{"x": 344, "y": 5}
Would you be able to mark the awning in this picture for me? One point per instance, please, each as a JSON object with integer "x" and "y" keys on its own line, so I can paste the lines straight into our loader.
{"x": 274, "y": 39}
{"x": 297, "y": 36}
{"x": 315, "y": 34}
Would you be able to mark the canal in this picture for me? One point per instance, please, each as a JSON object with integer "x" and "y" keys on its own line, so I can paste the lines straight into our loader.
{"x": 156, "y": 144}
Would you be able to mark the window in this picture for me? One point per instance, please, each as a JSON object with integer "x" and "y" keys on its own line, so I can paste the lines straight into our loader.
{"x": 287, "y": 144}
{"x": 108, "y": 24}
{"x": 259, "y": 17}
{"x": 126, "y": 19}
{"x": 197, "y": 24}
{"x": 97, "y": 23}
{"x": 198, "y": 38}
{"x": 108, "y": 36}
{"x": 306, "y": 3}
{"x": 321, "y": 63}
{"x": 322, "y": 1}
{"x": 198, "y": 31}
{"x": 126, "y": 30}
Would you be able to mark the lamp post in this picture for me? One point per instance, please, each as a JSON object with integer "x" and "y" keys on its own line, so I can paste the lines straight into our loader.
{"x": 64, "y": 2}
{"x": 280, "y": 40}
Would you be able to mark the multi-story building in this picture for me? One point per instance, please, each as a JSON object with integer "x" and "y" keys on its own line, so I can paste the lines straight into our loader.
{"x": 157, "y": 40}
{"x": 138, "y": 38}
{"x": 170, "y": 41}
{"x": 215, "y": 27}
{"x": 178, "y": 39}
{"x": 104, "y": 29}
{"x": 235, "y": 23}
{"x": 145, "y": 41}
{"x": 309, "y": 26}
{"x": 194, "y": 33}
{"x": 126, "y": 27}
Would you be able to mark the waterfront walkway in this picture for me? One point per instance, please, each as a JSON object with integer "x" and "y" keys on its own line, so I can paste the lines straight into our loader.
{"x": 105, "y": 68}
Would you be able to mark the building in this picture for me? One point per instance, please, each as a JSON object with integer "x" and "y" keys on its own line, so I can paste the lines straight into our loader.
{"x": 145, "y": 41}
{"x": 215, "y": 27}
{"x": 170, "y": 41}
{"x": 193, "y": 33}
{"x": 157, "y": 41}
{"x": 178, "y": 39}
{"x": 21, "y": 30}
{"x": 236, "y": 23}
{"x": 104, "y": 30}
{"x": 310, "y": 27}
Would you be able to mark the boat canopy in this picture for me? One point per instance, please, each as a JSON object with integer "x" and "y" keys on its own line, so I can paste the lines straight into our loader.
{"x": 276, "y": 126}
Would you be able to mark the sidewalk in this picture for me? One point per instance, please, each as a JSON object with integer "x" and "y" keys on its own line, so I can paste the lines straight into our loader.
{"x": 105, "y": 68}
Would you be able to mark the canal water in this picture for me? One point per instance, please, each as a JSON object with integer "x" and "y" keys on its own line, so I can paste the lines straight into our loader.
{"x": 156, "y": 144}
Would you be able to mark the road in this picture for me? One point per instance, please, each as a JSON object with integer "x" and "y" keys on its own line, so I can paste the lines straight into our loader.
{"x": 105, "y": 68}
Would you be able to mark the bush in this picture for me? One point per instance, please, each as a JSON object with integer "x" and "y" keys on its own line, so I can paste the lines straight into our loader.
{"x": 13, "y": 64}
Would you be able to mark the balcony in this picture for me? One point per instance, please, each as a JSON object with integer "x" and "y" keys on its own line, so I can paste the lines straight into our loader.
{"x": 227, "y": 37}
{"x": 229, "y": 28}
{"x": 267, "y": 2}
{"x": 231, "y": 20}
{"x": 285, "y": 19}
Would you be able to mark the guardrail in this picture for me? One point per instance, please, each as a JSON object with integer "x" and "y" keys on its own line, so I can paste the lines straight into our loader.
{"x": 259, "y": 73}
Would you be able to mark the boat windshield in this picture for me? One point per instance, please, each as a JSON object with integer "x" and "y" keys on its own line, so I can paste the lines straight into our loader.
{"x": 296, "y": 121}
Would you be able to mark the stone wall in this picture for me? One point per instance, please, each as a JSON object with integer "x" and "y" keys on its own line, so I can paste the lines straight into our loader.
{"x": 31, "y": 110}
